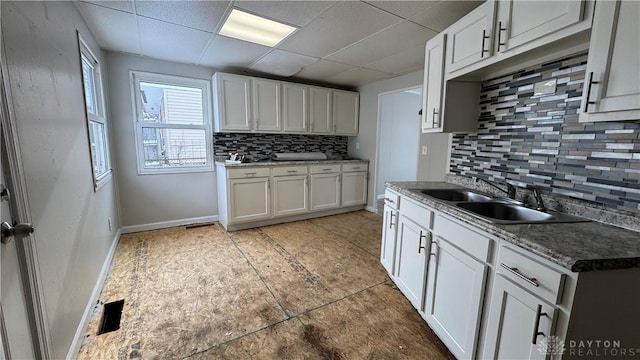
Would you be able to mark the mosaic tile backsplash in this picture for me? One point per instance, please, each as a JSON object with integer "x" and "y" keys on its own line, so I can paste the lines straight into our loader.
{"x": 537, "y": 140}
{"x": 258, "y": 146}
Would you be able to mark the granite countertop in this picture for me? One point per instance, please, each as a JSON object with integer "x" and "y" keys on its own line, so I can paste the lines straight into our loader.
{"x": 579, "y": 247}
{"x": 279, "y": 163}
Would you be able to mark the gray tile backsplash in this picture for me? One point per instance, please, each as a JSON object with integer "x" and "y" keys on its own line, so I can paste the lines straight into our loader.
{"x": 537, "y": 140}
{"x": 263, "y": 145}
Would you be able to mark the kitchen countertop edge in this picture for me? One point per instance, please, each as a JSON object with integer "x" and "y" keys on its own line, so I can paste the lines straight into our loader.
{"x": 279, "y": 163}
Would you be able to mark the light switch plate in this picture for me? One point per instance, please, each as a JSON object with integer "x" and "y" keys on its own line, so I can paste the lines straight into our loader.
{"x": 425, "y": 150}
{"x": 545, "y": 87}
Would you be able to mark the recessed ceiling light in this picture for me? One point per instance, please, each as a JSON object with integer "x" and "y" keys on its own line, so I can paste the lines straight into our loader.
{"x": 256, "y": 29}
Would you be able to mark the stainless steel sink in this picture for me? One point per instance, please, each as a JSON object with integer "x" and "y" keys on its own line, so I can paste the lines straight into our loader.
{"x": 505, "y": 213}
{"x": 456, "y": 195}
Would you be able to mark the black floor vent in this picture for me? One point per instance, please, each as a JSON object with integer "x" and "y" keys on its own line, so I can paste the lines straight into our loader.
{"x": 111, "y": 317}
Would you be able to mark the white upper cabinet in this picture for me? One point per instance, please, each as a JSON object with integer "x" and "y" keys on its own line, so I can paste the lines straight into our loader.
{"x": 295, "y": 108}
{"x": 345, "y": 112}
{"x": 470, "y": 38}
{"x": 320, "y": 121}
{"x": 232, "y": 102}
{"x": 266, "y": 105}
{"x": 612, "y": 84}
{"x": 519, "y": 22}
{"x": 433, "y": 83}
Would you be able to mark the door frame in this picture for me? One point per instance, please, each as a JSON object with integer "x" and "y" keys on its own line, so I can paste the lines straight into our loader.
{"x": 28, "y": 260}
{"x": 378, "y": 123}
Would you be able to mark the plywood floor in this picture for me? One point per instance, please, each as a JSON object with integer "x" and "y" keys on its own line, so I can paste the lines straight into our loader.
{"x": 311, "y": 289}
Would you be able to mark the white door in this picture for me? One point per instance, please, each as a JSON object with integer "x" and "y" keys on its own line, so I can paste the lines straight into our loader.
{"x": 248, "y": 199}
{"x": 320, "y": 111}
{"x": 290, "y": 195}
{"x": 325, "y": 191}
{"x": 345, "y": 112}
{"x": 433, "y": 82}
{"x": 354, "y": 188}
{"x": 14, "y": 320}
{"x": 266, "y": 105}
{"x": 411, "y": 260}
{"x": 455, "y": 282}
{"x": 295, "y": 107}
{"x": 517, "y": 322}
{"x": 388, "y": 248}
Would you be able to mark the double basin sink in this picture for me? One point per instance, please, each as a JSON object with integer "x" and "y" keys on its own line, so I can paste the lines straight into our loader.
{"x": 496, "y": 210}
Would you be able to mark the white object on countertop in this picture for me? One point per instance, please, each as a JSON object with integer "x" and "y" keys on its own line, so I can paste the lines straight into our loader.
{"x": 298, "y": 156}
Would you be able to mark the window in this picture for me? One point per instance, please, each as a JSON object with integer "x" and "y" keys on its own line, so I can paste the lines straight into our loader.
{"x": 96, "y": 121}
{"x": 173, "y": 123}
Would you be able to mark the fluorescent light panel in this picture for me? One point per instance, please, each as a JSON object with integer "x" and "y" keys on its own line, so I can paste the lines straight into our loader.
{"x": 256, "y": 29}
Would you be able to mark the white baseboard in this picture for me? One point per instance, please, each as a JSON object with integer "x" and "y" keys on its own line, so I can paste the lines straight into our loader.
{"x": 95, "y": 294}
{"x": 167, "y": 224}
{"x": 371, "y": 209}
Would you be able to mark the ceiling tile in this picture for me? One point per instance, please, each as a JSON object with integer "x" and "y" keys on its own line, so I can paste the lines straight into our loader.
{"x": 343, "y": 24}
{"x": 401, "y": 63}
{"x": 126, "y": 6}
{"x": 282, "y": 63}
{"x": 171, "y": 42}
{"x": 404, "y": 9}
{"x": 224, "y": 52}
{"x": 358, "y": 77}
{"x": 403, "y": 36}
{"x": 298, "y": 13}
{"x": 322, "y": 69}
{"x": 440, "y": 16}
{"x": 201, "y": 15}
{"x": 114, "y": 30}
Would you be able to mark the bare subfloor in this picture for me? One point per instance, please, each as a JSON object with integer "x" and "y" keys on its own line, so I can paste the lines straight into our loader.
{"x": 305, "y": 290}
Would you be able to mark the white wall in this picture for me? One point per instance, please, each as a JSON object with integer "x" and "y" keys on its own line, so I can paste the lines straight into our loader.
{"x": 72, "y": 236}
{"x": 157, "y": 198}
{"x": 431, "y": 167}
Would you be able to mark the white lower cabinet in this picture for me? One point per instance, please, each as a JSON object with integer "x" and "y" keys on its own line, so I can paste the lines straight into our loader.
{"x": 354, "y": 188}
{"x": 517, "y": 322}
{"x": 325, "y": 191}
{"x": 248, "y": 199}
{"x": 412, "y": 249}
{"x": 290, "y": 195}
{"x": 454, "y": 294}
{"x": 389, "y": 232}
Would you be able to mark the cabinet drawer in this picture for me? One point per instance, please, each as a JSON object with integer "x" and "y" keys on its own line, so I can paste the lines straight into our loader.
{"x": 242, "y": 173}
{"x": 354, "y": 167}
{"x": 530, "y": 274}
{"x": 475, "y": 244}
{"x": 321, "y": 169}
{"x": 421, "y": 215}
{"x": 392, "y": 199}
{"x": 289, "y": 170}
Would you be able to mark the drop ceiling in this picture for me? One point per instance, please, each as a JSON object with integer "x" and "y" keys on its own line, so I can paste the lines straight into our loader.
{"x": 345, "y": 43}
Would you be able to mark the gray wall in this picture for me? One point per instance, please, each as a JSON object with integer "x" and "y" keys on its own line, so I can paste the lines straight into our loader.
{"x": 72, "y": 236}
{"x": 148, "y": 199}
{"x": 431, "y": 167}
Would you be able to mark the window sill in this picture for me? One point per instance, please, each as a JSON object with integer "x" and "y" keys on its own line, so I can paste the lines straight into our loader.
{"x": 102, "y": 181}
{"x": 172, "y": 171}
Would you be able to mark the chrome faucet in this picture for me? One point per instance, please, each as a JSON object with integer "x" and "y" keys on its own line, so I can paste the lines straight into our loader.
{"x": 510, "y": 191}
{"x": 539, "y": 202}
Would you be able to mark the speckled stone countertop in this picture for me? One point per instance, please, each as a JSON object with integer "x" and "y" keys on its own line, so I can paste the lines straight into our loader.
{"x": 585, "y": 246}
{"x": 279, "y": 163}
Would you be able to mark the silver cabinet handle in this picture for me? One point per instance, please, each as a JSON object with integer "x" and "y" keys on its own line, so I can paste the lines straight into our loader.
{"x": 539, "y": 314}
{"x": 292, "y": 171}
{"x": 422, "y": 236}
{"x": 517, "y": 273}
{"x": 391, "y": 220}
{"x": 327, "y": 169}
{"x": 389, "y": 200}
{"x": 250, "y": 173}
{"x": 433, "y": 118}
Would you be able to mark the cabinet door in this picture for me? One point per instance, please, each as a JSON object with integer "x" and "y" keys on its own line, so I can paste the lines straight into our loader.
{"x": 234, "y": 102}
{"x": 320, "y": 111}
{"x": 411, "y": 260}
{"x": 295, "y": 107}
{"x": 345, "y": 112}
{"x": 266, "y": 105}
{"x": 453, "y": 303}
{"x": 325, "y": 191}
{"x": 433, "y": 82}
{"x": 248, "y": 199}
{"x": 389, "y": 231}
{"x": 290, "y": 195}
{"x": 520, "y": 22}
{"x": 354, "y": 188}
{"x": 469, "y": 40}
{"x": 612, "y": 87}
{"x": 517, "y": 322}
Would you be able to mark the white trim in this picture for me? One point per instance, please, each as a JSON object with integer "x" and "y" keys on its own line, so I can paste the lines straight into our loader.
{"x": 371, "y": 209}
{"x": 93, "y": 299}
{"x": 167, "y": 224}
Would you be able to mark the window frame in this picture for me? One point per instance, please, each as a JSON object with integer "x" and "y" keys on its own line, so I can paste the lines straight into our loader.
{"x": 136, "y": 77}
{"x": 99, "y": 180}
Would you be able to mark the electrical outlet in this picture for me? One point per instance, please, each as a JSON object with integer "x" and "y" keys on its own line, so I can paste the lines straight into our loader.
{"x": 109, "y": 222}
{"x": 425, "y": 150}
{"x": 357, "y": 145}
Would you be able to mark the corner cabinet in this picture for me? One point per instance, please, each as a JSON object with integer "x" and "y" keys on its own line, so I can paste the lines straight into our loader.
{"x": 612, "y": 84}
{"x": 251, "y": 104}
